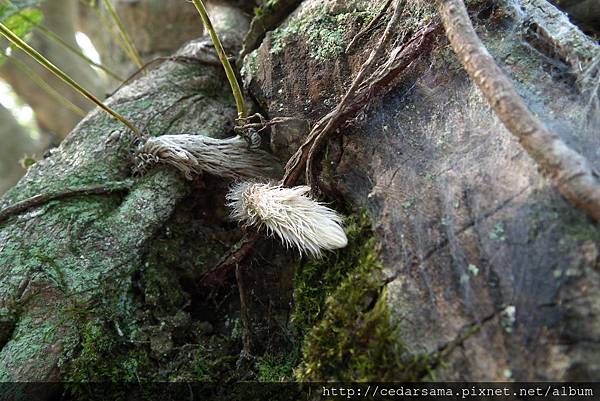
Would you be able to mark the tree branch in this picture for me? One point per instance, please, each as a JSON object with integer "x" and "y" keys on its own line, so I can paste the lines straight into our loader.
{"x": 570, "y": 173}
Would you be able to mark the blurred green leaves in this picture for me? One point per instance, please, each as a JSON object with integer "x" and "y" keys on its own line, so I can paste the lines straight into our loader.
{"x": 20, "y": 16}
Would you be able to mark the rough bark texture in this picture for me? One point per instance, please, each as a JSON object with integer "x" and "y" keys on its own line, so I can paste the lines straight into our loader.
{"x": 462, "y": 262}
{"x": 479, "y": 251}
{"x": 572, "y": 175}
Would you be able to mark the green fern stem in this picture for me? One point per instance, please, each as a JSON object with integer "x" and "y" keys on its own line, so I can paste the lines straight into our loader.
{"x": 233, "y": 82}
{"x": 132, "y": 51}
{"x": 17, "y": 41}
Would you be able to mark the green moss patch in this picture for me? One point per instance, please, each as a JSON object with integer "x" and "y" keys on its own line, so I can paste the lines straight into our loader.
{"x": 356, "y": 339}
{"x": 277, "y": 368}
{"x": 105, "y": 357}
{"x": 323, "y": 30}
{"x": 341, "y": 321}
{"x": 318, "y": 279}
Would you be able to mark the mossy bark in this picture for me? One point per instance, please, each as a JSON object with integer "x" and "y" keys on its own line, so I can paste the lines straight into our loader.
{"x": 463, "y": 263}
{"x": 475, "y": 243}
{"x": 73, "y": 268}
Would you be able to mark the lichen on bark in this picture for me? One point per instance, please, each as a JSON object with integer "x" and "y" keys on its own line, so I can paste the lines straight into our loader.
{"x": 76, "y": 260}
{"x": 463, "y": 246}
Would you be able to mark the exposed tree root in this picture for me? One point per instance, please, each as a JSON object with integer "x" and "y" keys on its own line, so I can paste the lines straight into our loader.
{"x": 361, "y": 92}
{"x": 570, "y": 172}
{"x": 369, "y": 26}
{"x": 320, "y": 135}
{"x": 38, "y": 200}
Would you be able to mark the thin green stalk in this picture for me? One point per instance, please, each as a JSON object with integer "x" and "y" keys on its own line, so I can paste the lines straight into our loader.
{"x": 57, "y": 39}
{"x": 107, "y": 25}
{"x": 61, "y": 42}
{"x": 133, "y": 52}
{"x": 33, "y": 76}
{"x": 14, "y": 39}
{"x": 235, "y": 86}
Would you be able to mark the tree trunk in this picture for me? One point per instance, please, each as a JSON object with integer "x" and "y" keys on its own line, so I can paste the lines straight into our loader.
{"x": 463, "y": 262}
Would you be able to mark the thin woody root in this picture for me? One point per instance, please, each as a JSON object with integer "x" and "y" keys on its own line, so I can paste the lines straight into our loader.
{"x": 365, "y": 87}
{"x": 244, "y": 124}
{"x": 41, "y": 199}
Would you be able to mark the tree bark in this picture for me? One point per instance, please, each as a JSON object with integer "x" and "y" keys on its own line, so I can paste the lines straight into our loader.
{"x": 51, "y": 280}
{"x": 469, "y": 229}
{"x": 572, "y": 175}
{"x": 462, "y": 259}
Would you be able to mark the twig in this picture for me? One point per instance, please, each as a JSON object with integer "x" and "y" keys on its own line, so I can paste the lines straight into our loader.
{"x": 38, "y": 200}
{"x": 135, "y": 74}
{"x": 570, "y": 172}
